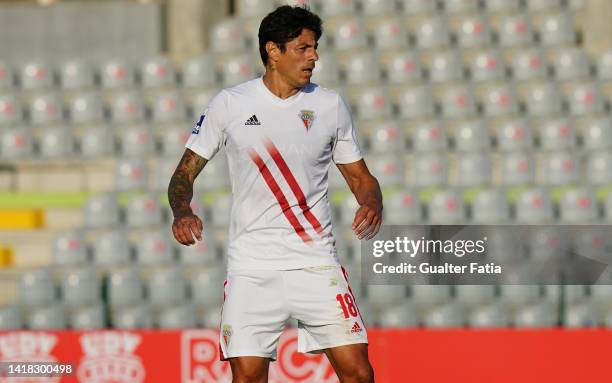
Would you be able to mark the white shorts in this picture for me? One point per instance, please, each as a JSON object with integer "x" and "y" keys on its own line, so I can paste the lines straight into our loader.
{"x": 257, "y": 304}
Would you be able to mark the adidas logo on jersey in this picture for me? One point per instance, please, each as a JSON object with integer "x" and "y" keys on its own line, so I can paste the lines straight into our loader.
{"x": 356, "y": 328}
{"x": 252, "y": 121}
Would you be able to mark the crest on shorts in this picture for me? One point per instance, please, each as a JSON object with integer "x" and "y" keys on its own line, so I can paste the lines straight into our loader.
{"x": 227, "y": 333}
{"x": 307, "y": 117}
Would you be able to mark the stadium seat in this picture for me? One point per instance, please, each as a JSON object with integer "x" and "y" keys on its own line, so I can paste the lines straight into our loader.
{"x": 402, "y": 67}
{"x": 168, "y": 107}
{"x": 77, "y": 74}
{"x": 415, "y": 102}
{"x": 203, "y": 252}
{"x": 556, "y": 134}
{"x": 378, "y": 7}
{"x": 534, "y": 206}
{"x": 599, "y": 168}
{"x": 254, "y": 8}
{"x": 445, "y": 316}
{"x": 131, "y": 174}
{"x": 578, "y": 206}
{"x": 402, "y": 208}
{"x": 429, "y": 136}
{"x": 429, "y": 169}
{"x": 386, "y": 137}
{"x": 80, "y": 287}
{"x": 101, "y": 211}
{"x": 490, "y": 206}
{"x": 381, "y": 296}
{"x": 36, "y": 75}
{"x": 86, "y": 108}
{"x": 404, "y": 315}
{"x": 47, "y": 318}
{"x": 604, "y": 66}
{"x": 363, "y": 69}
{"x": 514, "y": 296}
{"x": 173, "y": 138}
{"x": 417, "y": 7}
{"x": 37, "y": 287}
{"x": 592, "y": 241}
{"x": 16, "y": 143}
{"x": 199, "y": 102}
{"x": 127, "y": 107}
{"x": 227, "y": 36}
{"x": 580, "y": 315}
{"x": 514, "y": 135}
{"x": 332, "y": 8}
{"x": 446, "y": 66}
{"x": 349, "y": 34}
{"x": 10, "y": 109}
{"x": 91, "y": 317}
{"x": 166, "y": 286}
{"x": 217, "y": 175}
{"x": 432, "y": 33}
{"x": 457, "y": 102}
{"x": 200, "y": 72}
{"x": 571, "y": 64}
{"x": 557, "y": 29}
{"x": 348, "y": 207}
{"x": 124, "y": 288}
{"x": 237, "y": 69}
{"x": 474, "y": 295}
{"x": 547, "y": 245}
{"x": 446, "y": 207}
{"x": 543, "y": 5}
{"x": 473, "y": 169}
{"x": 372, "y": 103}
{"x": 154, "y": 248}
{"x": 501, "y": 6}
{"x": 135, "y": 141}
{"x": 178, "y": 316}
{"x": 515, "y": 31}
{"x": 158, "y": 72}
{"x": 528, "y": 64}
{"x": 138, "y": 316}
{"x": 220, "y": 211}
{"x": 45, "y": 109}
{"x": 490, "y": 316}
{"x": 143, "y": 211}
{"x": 206, "y": 284}
{"x": 69, "y": 249}
{"x": 117, "y": 74}
{"x": 487, "y": 65}
{"x": 473, "y": 31}
{"x": 389, "y": 34}
{"x": 56, "y": 142}
{"x": 543, "y": 100}
{"x": 537, "y": 315}
{"x": 500, "y": 101}
{"x": 10, "y": 318}
{"x": 586, "y": 99}
{"x": 471, "y": 135}
{"x": 560, "y": 168}
{"x": 164, "y": 169}
{"x": 389, "y": 169}
{"x": 460, "y": 6}
{"x": 96, "y": 141}
{"x": 597, "y": 134}
{"x": 424, "y": 295}
{"x": 327, "y": 70}
{"x": 6, "y": 76}
{"x": 517, "y": 168}
{"x": 111, "y": 249}
{"x": 209, "y": 318}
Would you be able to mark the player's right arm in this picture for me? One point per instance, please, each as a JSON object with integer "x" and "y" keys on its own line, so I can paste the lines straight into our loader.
{"x": 186, "y": 225}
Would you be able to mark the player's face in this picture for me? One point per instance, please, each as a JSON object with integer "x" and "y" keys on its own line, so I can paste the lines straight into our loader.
{"x": 298, "y": 61}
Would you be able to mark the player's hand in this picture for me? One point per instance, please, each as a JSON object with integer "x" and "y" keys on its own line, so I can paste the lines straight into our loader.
{"x": 186, "y": 227}
{"x": 367, "y": 220}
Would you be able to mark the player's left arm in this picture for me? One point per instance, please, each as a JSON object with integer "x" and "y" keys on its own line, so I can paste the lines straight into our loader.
{"x": 366, "y": 189}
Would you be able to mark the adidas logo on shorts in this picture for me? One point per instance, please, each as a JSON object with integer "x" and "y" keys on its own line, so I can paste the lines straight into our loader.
{"x": 356, "y": 328}
{"x": 252, "y": 121}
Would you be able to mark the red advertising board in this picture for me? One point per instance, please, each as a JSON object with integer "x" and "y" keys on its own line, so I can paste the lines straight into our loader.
{"x": 192, "y": 356}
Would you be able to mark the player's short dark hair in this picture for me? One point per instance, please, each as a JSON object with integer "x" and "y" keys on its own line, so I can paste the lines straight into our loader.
{"x": 284, "y": 24}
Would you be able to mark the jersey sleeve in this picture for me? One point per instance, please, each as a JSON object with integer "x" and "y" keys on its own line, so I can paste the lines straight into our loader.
{"x": 346, "y": 148}
{"x": 208, "y": 134}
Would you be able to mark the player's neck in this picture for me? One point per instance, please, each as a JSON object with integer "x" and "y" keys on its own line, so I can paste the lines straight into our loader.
{"x": 278, "y": 86}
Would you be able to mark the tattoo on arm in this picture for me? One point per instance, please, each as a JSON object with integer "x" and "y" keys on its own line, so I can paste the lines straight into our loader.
{"x": 180, "y": 190}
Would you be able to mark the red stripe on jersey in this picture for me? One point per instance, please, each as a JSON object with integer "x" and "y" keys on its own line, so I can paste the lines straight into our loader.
{"x": 293, "y": 184}
{"x": 280, "y": 197}
{"x": 345, "y": 275}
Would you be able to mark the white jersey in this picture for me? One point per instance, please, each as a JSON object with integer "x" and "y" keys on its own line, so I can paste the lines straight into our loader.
{"x": 279, "y": 152}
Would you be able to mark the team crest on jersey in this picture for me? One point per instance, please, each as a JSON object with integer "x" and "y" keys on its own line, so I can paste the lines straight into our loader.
{"x": 227, "y": 334}
{"x": 307, "y": 117}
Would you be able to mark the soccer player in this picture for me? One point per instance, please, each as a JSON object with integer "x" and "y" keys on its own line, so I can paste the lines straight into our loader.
{"x": 281, "y": 133}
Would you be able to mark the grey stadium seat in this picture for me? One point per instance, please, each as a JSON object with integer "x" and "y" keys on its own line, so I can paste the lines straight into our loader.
{"x": 101, "y": 211}
{"x": 45, "y": 109}
{"x": 200, "y": 72}
{"x": 350, "y": 34}
{"x": 154, "y": 248}
{"x": 446, "y": 207}
{"x": 206, "y": 284}
{"x": 166, "y": 286}
{"x": 534, "y": 206}
{"x": 402, "y": 208}
{"x": 97, "y": 141}
{"x": 517, "y": 168}
{"x": 86, "y": 108}
{"x": 131, "y": 174}
{"x": 117, "y": 74}
{"x": 10, "y": 318}
{"x": 80, "y": 287}
{"x": 10, "y": 109}
{"x": 111, "y": 249}
{"x": 87, "y": 317}
{"x": 36, "y": 75}
{"x": 430, "y": 169}
{"x": 47, "y": 318}
{"x": 471, "y": 135}
{"x": 177, "y": 316}
{"x": 135, "y": 141}
{"x": 76, "y": 74}
{"x": 69, "y": 249}
{"x": 124, "y": 287}
{"x": 158, "y": 72}
{"x": 127, "y": 107}
{"x": 55, "y": 142}
{"x": 37, "y": 287}
{"x": 16, "y": 142}
{"x": 490, "y": 206}
{"x": 137, "y": 316}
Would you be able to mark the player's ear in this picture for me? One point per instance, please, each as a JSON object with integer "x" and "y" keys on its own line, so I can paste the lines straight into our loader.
{"x": 273, "y": 51}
